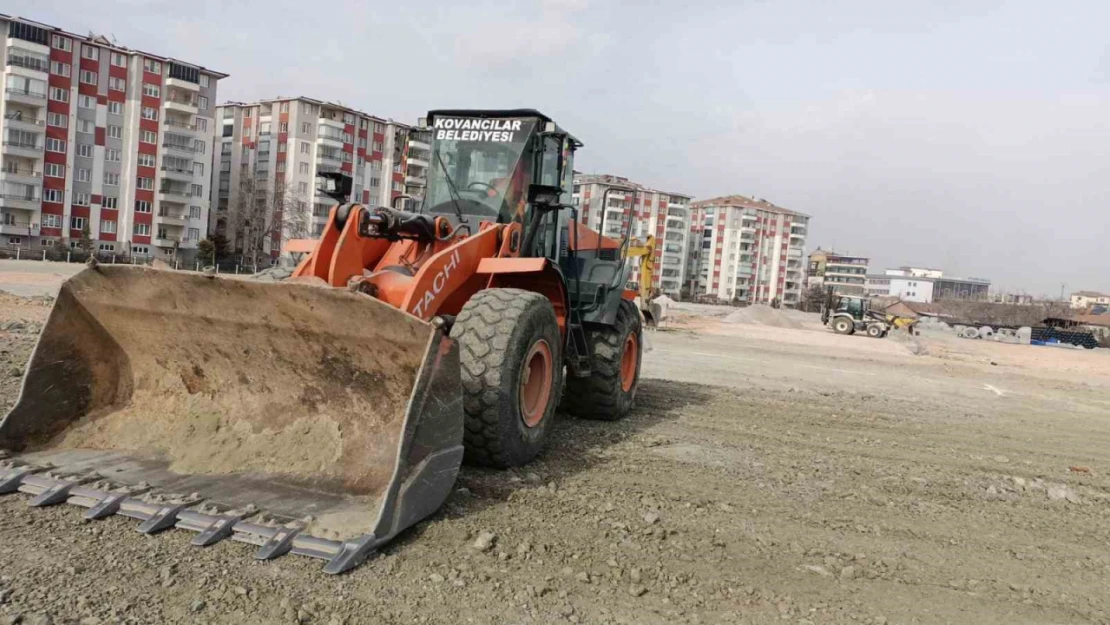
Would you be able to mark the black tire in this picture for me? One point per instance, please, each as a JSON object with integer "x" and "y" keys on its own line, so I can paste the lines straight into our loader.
{"x": 496, "y": 330}
{"x": 843, "y": 325}
{"x": 875, "y": 331}
{"x": 602, "y": 395}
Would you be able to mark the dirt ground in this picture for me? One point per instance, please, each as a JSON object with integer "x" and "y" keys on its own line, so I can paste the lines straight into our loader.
{"x": 765, "y": 475}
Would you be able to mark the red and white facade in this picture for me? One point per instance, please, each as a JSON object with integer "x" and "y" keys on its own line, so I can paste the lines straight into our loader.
{"x": 285, "y": 143}
{"x": 665, "y": 215}
{"x": 101, "y": 137}
{"x": 747, "y": 250}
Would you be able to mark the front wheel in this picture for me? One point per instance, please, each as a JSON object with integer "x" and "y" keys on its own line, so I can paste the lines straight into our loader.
{"x": 511, "y": 358}
{"x": 608, "y": 393}
{"x": 843, "y": 325}
{"x": 875, "y": 331}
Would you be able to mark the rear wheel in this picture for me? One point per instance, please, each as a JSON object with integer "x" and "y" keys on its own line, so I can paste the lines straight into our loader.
{"x": 843, "y": 325}
{"x": 510, "y": 352}
{"x": 875, "y": 331}
{"x": 617, "y": 353}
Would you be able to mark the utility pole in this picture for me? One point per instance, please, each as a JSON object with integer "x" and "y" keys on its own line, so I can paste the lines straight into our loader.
{"x": 1062, "y": 287}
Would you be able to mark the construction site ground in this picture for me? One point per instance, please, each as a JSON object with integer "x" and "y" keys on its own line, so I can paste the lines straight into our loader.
{"x": 766, "y": 474}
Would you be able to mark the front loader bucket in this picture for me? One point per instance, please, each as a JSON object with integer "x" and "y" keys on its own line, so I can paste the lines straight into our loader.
{"x": 296, "y": 417}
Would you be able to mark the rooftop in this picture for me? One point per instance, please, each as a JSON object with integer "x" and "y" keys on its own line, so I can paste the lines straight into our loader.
{"x": 102, "y": 41}
{"x": 1090, "y": 294}
{"x": 609, "y": 179}
{"x": 742, "y": 201}
{"x": 321, "y": 103}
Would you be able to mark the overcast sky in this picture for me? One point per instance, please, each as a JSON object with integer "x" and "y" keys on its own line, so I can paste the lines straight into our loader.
{"x": 968, "y": 136}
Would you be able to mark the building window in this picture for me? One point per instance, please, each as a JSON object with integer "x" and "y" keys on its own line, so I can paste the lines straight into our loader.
{"x": 148, "y": 136}
{"x": 202, "y": 124}
{"x": 264, "y": 128}
{"x": 85, "y": 150}
{"x": 199, "y": 146}
{"x": 204, "y": 80}
{"x": 377, "y": 146}
{"x": 144, "y": 183}
{"x": 198, "y": 169}
{"x": 152, "y": 66}
{"x": 153, "y": 91}
{"x": 194, "y": 212}
{"x": 111, "y": 179}
{"x": 303, "y": 167}
{"x": 109, "y": 202}
{"x": 87, "y": 77}
{"x": 112, "y": 156}
{"x": 107, "y": 226}
{"x": 119, "y": 60}
{"x": 57, "y": 119}
{"x": 60, "y": 69}
{"x": 86, "y": 126}
{"x": 302, "y": 187}
{"x": 379, "y": 127}
{"x": 81, "y": 198}
{"x": 116, "y": 84}
{"x": 142, "y": 229}
{"x": 54, "y": 170}
{"x": 90, "y": 52}
{"x": 107, "y": 247}
{"x": 202, "y": 103}
{"x": 142, "y": 206}
{"x": 115, "y": 108}
{"x": 115, "y": 132}
{"x": 305, "y": 147}
{"x": 194, "y": 234}
{"x": 150, "y": 113}
{"x": 51, "y": 221}
{"x": 59, "y": 95}
{"x": 61, "y": 43}
{"x": 86, "y": 101}
{"x": 55, "y": 145}
{"x": 196, "y": 190}
{"x": 146, "y": 160}
{"x": 51, "y": 195}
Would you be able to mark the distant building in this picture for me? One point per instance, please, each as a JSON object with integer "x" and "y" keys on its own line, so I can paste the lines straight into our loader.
{"x": 915, "y": 284}
{"x": 1019, "y": 299}
{"x": 1081, "y": 300}
{"x": 664, "y": 214}
{"x": 847, "y": 275}
{"x": 747, "y": 250}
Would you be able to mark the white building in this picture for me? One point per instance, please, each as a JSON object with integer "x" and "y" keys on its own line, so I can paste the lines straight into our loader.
{"x": 1082, "y": 300}
{"x": 913, "y": 284}
{"x": 666, "y": 215}
{"x": 747, "y": 250}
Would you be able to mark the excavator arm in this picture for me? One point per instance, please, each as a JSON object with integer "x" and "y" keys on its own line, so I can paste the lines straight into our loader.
{"x": 645, "y": 251}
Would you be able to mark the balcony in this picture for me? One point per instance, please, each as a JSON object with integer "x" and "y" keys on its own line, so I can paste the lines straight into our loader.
{"x": 794, "y": 252}
{"x": 183, "y": 148}
{"x": 417, "y": 161}
{"x": 180, "y": 127}
{"x": 26, "y": 149}
{"x": 167, "y": 241}
{"x": 21, "y": 201}
{"x": 20, "y": 228}
{"x": 173, "y": 194}
{"x": 331, "y": 141}
{"x": 180, "y": 104}
{"x": 25, "y": 96}
{"x": 329, "y": 159}
{"x": 24, "y": 122}
{"x": 29, "y": 60}
{"x": 22, "y": 175}
{"x": 176, "y": 173}
{"x": 332, "y": 123}
{"x": 168, "y": 217}
{"x": 182, "y": 84}
{"x": 414, "y": 143}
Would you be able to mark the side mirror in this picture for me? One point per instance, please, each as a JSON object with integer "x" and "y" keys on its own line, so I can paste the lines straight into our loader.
{"x": 544, "y": 195}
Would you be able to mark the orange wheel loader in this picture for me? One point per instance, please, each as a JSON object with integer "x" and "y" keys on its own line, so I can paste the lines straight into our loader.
{"x": 325, "y": 414}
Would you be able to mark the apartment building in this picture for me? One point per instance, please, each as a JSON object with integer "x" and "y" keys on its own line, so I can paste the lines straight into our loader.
{"x": 747, "y": 250}
{"x": 610, "y": 204}
{"x": 101, "y": 138}
{"x": 271, "y": 151}
{"x": 845, "y": 274}
{"x": 417, "y": 162}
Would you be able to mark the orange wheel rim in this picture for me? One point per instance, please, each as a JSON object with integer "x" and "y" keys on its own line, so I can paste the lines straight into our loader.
{"x": 535, "y": 383}
{"x": 629, "y": 357}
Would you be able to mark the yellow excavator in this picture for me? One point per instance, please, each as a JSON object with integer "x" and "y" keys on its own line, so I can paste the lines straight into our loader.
{"x": 645, "y": 251}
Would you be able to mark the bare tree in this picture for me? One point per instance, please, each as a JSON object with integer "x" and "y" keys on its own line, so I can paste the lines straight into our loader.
{"x": 265, "y": 218}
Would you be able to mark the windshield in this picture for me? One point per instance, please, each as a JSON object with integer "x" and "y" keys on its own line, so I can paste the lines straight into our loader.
{"x": 480, "y": 163}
